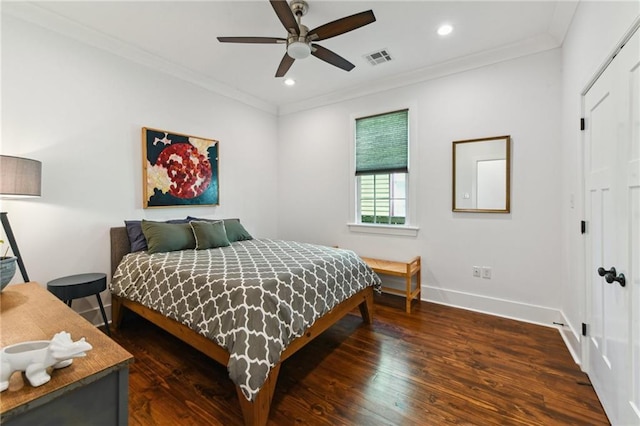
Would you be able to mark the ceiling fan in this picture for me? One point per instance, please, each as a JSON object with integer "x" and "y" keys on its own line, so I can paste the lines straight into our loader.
{"x": 300, "y": 39}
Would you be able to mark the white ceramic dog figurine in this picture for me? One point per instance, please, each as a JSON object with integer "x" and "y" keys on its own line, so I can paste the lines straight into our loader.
{"x": 36, "y": 356}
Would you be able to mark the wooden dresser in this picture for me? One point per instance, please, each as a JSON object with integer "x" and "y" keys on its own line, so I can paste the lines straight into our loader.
{"x": 93, "y": 390}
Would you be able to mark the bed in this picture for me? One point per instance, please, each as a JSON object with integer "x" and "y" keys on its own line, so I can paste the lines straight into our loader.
{"x": 248, "y": 306}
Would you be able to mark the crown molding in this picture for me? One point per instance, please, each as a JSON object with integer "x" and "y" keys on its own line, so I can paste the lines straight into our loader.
{"x": 554, "y": 37}
{"x": 561, "y": 20}
{"x": 39, "y": 16}
{"x": 489, "y": 57}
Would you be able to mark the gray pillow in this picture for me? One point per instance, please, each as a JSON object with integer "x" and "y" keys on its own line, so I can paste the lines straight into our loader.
{"x": 209, "y": 234}
{"x": 136, "y": 237}
{"x": 137, "y": 241}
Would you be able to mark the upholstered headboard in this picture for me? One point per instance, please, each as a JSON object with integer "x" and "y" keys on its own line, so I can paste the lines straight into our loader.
{"x": 119, "y": 246}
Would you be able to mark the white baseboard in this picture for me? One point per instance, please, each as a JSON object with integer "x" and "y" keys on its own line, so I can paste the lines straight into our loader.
{"x": 493, "y": 306}
{"x": 571, "y": 339}
{"x": 509, "y": 309}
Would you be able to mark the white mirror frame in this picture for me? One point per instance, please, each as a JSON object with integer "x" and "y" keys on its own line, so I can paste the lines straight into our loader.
{"x": 500, "y": 167}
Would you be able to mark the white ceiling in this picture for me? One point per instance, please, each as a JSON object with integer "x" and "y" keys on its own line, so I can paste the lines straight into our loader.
{"x": 179, "y": 37}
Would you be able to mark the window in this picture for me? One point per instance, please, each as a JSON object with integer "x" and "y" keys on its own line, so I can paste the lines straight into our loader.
{"x": 382, "y": 148}
{"x": 383, "y": 198}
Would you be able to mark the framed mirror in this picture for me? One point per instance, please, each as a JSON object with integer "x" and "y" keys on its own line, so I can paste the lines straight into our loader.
{"x": 482, "y": 175}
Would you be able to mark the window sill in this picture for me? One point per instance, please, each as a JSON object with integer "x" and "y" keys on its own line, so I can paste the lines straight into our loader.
{"x": 399, "y": 230}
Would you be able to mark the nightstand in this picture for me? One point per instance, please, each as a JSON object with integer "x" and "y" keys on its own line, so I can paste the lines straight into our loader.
{"x": 81, "y": 285}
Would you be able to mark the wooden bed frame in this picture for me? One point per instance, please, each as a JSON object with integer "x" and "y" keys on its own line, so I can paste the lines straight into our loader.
{"x": 255, "y": 413}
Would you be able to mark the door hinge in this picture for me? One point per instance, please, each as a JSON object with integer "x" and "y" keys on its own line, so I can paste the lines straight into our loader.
{"x": 584, "y": 329}
{"x": 583, "y": 227}
{"x": 582, "y": 124}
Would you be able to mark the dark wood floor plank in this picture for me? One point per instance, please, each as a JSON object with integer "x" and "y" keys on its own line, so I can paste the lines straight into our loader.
{"x": 438, "y": 365}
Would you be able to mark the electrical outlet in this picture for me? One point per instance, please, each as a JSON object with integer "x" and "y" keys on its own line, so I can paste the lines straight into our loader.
{"x": 476, "y": 271}
{"x": 486, "y": 272}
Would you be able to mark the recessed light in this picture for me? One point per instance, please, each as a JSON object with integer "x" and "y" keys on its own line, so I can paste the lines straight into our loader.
{"x": 289, "y": 82}
{"x": 445, "y": 29}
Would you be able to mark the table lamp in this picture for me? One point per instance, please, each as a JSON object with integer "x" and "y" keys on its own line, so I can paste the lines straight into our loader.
{"x": 19, "y": 178}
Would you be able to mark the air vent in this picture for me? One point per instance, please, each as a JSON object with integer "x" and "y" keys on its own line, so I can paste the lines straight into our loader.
{"x": 378, "y": 57}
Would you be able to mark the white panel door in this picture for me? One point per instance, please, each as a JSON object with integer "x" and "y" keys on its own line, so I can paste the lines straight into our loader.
{"x": 612, "y": 205}
{"x": 629, "y": 161}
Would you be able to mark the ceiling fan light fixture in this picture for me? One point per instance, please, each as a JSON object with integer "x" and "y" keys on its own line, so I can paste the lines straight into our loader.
{"x": 298, "y": 50}
{"x": 299, "y": 38}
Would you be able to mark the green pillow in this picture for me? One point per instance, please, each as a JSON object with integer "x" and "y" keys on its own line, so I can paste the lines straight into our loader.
{"x": 162, "y": 237}
{"x": 235, "y": 231}
{"x": 209, "y": 234}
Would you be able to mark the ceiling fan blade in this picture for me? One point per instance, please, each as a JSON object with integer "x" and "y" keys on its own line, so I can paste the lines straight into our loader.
{"x": 331, "y": 57}
{"x": 342, "y": 26}
{"x": 283, "y": 10}
{"x": 265, "y": 40}
{"x": 284, "y": 66}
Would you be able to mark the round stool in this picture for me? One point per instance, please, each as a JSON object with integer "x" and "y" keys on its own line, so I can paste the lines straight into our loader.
{"x": 81, "y": 285}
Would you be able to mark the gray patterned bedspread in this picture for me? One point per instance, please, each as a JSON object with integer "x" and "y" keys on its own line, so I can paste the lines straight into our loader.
{"x": 252, "y": 298}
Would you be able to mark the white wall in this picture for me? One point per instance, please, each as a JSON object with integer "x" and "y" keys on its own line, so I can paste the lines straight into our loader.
{"x": 595, "y": 31}
{"x": 520, "y": 98}
{"x": 80, "y": 111}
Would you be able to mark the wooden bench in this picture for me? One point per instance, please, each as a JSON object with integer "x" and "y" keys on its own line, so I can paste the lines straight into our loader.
{"x": 399, "y": 269}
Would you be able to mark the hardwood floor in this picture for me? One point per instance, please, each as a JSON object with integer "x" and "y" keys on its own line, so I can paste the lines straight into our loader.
{"x": 438, "y": 365}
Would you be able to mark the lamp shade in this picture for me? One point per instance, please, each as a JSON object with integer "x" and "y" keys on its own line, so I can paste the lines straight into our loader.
{"x": 20, "y": 177}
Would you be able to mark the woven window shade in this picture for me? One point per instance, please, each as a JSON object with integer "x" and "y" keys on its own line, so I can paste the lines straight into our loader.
{"x": 382, "y": 143}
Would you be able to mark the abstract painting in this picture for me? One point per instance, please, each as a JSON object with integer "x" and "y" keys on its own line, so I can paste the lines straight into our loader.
{"x": 178, "y": 170}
